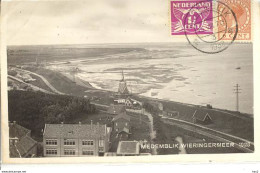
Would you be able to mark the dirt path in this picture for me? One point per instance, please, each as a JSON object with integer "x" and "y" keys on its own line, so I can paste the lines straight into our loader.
{"x": 180, "y": 141}
{"x": 152, "y": 131}
{"x": 33, "y": 86}
{"x": 43, "y": 79}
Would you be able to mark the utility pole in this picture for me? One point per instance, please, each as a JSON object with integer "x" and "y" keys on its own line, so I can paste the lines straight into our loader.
{"x": 237, "y": 92}
{"x": 140, "y": 120}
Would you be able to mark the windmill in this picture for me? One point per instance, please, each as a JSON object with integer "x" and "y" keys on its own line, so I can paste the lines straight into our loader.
{"x": 122, "y": 88}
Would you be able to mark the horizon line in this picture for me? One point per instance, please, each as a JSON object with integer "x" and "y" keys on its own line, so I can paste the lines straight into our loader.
{"x": 95, "y": 43}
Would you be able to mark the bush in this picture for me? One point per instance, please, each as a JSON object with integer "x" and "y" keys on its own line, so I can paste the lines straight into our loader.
{"x": 34, "y": 109}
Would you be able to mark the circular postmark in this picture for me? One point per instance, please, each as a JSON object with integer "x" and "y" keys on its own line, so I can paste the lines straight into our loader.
{"x": 206, "y": 26}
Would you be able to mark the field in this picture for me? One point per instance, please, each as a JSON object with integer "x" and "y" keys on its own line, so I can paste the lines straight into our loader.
{"x": 39, "y": 83}
{"x": 60, "y": 82}
{"x": 234, "y": 123}
{"x": 168, "y": 134}
{"x": 238, "y": 125}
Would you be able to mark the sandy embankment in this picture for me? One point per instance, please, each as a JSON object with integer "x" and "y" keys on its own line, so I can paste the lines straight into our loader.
{"x": 77, "y": 80}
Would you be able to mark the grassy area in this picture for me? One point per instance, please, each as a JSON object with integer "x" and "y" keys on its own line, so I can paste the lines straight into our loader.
{"x": 100, "y": 117}
{"x": 238, "y": 124}
{"x": 235, "y": 125}
{"x": 60, "y": 82}
{"x": 167, "y": 134}
{"x": 39, "y": 83}
{"x": 66, "y": 85}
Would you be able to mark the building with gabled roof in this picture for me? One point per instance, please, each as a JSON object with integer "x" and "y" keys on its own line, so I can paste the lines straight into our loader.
{"x": 75, "y": 140}
{"x": 128, "y": 148}
{"x": 20, "y": 142}
{"x": 123, "y": 134}
{"x": 122, "y": 115}
{"x": 121, "y": 125}
{"x": 201, "y": 117}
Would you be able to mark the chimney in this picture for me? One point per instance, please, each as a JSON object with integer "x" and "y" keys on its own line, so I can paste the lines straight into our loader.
{"x": 14, "y": 122}
{"x": 61, "y": 123}
{"x": 79, "y": 123}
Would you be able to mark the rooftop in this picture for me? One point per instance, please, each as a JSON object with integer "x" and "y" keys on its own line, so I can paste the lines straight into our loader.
{"x": 74, "y": 130}
{"x": 15, "y": 130}
{"x": 24, "y": 141}
{"x": 25, "y": 144}
{"x": 200, "y": 115}
{"x": 126, "y": 130}
{"x": 128, "y": 147}
{"x": 122, "y": 115}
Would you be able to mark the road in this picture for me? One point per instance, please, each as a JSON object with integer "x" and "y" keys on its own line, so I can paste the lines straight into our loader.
{"x": 43, "y": 79}
{"x": 141, "y": 112}
{"x": 210, "y": 133}
{"x": 152, "y": 131}
{"x": 32, "y": 86}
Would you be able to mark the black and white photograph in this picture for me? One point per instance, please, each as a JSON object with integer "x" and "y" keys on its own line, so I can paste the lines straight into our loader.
{"x": 111, "y": 78}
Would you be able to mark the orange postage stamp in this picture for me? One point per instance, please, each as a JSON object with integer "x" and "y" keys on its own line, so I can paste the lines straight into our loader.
{"x": 242, "y": 11}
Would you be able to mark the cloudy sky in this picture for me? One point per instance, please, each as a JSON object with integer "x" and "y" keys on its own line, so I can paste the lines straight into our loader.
{"x": 89, "y": 21}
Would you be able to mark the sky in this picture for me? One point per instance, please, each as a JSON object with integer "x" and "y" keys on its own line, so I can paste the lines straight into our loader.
{"x": 86, "y": 22}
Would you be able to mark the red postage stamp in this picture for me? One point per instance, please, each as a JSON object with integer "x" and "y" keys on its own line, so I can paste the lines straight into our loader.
{"x": 242, "y": 11}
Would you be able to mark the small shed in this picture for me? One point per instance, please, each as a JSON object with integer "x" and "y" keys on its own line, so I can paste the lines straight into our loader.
{"x": 201, "y": 117}
{"x": 124, "y": 133}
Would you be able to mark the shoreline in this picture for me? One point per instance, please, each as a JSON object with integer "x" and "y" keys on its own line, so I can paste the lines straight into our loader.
{"x": 79, "y": 81}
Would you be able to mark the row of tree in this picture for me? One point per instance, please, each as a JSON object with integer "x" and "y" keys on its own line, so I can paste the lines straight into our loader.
{"x": 35, "y": 109}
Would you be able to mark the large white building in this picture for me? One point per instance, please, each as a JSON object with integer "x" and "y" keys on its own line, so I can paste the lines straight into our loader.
{"x": 75, "y": 140}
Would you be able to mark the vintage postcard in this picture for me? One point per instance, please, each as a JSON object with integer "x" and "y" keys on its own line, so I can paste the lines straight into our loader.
{"x": 161, "y": 81}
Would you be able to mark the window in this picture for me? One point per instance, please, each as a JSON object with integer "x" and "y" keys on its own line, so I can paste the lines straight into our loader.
{"x": 51, "y": 151}
{"x": 87, "y": 152}
{"x": 88, "y": 142}
{"x": 101, "y": 143}
{"x": 69, "y": 152}
{"x": 69, "y": 142}
{"x": 51, "y": 141}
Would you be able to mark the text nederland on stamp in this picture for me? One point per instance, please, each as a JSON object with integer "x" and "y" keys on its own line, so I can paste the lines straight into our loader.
{"x": 242, "y": 10}
{"x": 213, "y": 41}
{"x": 199, "y": 19}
